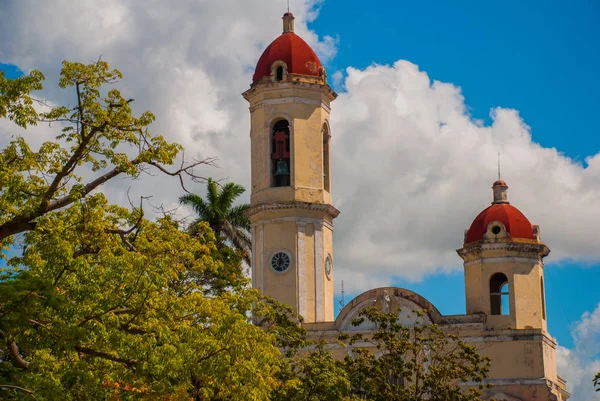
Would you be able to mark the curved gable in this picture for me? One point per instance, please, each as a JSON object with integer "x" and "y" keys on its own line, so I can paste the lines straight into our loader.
{"x": 388, "y": 299}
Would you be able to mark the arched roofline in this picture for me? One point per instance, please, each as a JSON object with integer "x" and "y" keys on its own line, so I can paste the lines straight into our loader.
{"x": 432, "y": 312}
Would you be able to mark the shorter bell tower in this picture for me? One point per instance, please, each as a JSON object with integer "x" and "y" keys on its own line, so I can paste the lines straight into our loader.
{"x": 290, "y": 205}
{"x": 504, "y": 269}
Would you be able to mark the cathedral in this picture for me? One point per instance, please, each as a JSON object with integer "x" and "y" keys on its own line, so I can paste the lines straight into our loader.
{"x": 292, "y": 217}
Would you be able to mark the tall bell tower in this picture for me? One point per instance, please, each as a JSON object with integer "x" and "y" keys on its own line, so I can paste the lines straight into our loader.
{"x": 291, "y": 208}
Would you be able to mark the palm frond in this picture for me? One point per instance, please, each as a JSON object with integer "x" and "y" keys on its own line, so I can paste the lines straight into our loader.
{"x": 238, "y": 218}
{"x": 212, "y": 194}
{"x": 239, "y": 239}
{"x": 230, "y": 223}
{"x": 197, "y": 203}
{"x": 229, "y": 193}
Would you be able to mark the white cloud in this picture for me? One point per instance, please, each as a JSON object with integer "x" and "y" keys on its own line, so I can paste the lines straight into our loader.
{"x": 411, "y": 168}
{"x": 187, "y": 61}
{"x": 579, "y": 365}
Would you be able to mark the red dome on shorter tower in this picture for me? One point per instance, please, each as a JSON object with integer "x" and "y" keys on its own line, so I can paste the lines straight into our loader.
{"x": 515, "y": 222}
{"x": 293, "y": 51}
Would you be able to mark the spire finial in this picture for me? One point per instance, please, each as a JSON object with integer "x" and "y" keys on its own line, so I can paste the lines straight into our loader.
{"x": 288, "y": 21}
{"x": 288, "y": 1}
{"x": 499, "y": 188}
{"x": 499, "y": 178}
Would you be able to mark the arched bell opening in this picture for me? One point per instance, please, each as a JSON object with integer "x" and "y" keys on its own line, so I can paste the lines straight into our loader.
{"x": 280, "y": 154}
{"x": 499, "y": 295}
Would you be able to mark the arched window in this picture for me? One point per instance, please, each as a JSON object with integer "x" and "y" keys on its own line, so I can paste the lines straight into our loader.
{"x": 499, "y": 295}
{"x": 279, "y": 73}
{"x": 280, "y": 154}
{"x": 543, "y": 298}
{"x": 326, "y": 181}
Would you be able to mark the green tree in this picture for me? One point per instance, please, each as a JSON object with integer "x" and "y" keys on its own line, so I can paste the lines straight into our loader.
{"x": 312, "y": 376}
{"x": 104, "y": 303}
{"x": 597, "y": 381}
{"x": 415, "y": 363}
{"x": 229, "y": 222}
{"x": 106, "y": 310}
{"x": 99, "y": 135}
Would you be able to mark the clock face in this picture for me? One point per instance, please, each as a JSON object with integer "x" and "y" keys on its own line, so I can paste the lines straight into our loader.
{"x": 328, "y": 266}
{"x": 280, "y": 262}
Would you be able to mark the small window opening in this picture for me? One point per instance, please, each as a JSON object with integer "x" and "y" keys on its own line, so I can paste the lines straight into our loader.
{"x": 326, "y": 181}
{"x": 499, "y": 295}
{"x": 496, "y": 230}
{"x": 543, "y": 298}
{"x": 279, "y": 74}
{"x": 280, "y": 154}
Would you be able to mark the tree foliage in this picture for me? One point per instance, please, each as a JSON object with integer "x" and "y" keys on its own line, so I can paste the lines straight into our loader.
{"x": 229, "y": 222}
{"x": 312, "y": 376}
{"x": 597, "y": 381}
{"x": 412, "y": 363}
{"x": 99, "y": 136}
{"x": 103, "y": 303}
{"x": 99, "y": 311}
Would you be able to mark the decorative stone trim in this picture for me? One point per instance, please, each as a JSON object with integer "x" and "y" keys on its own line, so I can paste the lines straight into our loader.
{"x": 290, "y": 81}
{"x": 503, "y": 338}
{"x": 508, "y": 382}
{"x": 503, "y": 259}
{"x": 305, "y": 220}
{"x": 253, "y": 267}
{"x": 301, "y": 269}
{"x": 261, "y": 256}
{"x": 321, "y": 207}
{"x": 371, "y": 297}
{"x": 292, "y": 99}
{"x": 477, "y": 248}
{"x": 319, "y": 281}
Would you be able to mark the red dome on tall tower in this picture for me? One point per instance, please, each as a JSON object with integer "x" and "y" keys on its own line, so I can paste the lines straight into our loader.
{"x": 515, "y": 222}
{"x": 292, "y": 50}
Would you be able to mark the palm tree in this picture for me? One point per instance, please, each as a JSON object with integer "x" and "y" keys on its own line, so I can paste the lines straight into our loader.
{"x": 230, "y": 223}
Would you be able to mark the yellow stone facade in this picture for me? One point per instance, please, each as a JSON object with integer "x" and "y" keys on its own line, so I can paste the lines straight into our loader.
{"x": 295, "y": 219}
{"x": 508, "y": 324}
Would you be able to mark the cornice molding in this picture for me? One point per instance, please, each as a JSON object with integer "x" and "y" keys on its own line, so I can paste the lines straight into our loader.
{"x": 320, "y": 207}
{"x": 539, "y": 249}
{"x": 295, "y": 81}
{"x": 290, "y": 100}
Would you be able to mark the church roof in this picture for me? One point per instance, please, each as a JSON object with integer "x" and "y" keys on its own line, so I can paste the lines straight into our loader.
{"x": 290, "y": 48}
{"x": 515, "y": 222}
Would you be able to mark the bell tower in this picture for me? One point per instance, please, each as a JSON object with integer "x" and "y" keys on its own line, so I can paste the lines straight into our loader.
{"x": 504, "y": 269}
{"x": 291, "y": 208}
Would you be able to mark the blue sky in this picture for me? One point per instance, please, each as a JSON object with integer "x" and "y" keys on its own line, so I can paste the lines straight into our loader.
{"x": 539, "y": 57}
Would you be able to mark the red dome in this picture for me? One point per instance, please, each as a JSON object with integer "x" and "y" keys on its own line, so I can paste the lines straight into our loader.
{"x": 514, "y": 221}
{"x": 291, "y": 49}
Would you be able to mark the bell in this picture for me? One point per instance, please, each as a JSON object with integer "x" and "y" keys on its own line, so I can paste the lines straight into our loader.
{"x": 282, "y": 168}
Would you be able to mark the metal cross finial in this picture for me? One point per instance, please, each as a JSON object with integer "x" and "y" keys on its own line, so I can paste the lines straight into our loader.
{"x": 288, "y": 1}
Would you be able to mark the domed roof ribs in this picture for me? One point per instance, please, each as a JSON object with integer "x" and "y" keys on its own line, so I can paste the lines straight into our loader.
{"x": 515, "y": 222}
{"x": 292, "y": 50}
